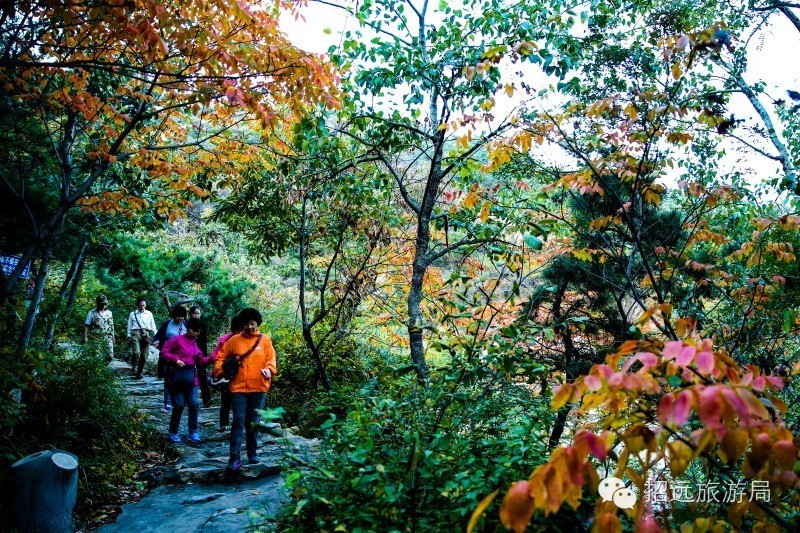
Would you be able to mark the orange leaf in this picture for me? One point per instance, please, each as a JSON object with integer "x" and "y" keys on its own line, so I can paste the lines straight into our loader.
{"x": 785, "y": 453}
{"x": 606, "y": 523}
{"x": 517, "y": 508}
{"x": 733, "y": 445}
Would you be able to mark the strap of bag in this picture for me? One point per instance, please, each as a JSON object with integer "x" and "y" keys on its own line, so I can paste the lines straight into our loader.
{"x": 248, "y": 352}
{"x": 135, "y": 316}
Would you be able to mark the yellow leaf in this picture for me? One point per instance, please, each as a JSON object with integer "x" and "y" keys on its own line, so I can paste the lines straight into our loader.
{"x": 562, "y": 396}
{"x": 677, "y": 71}
{"x": 631, "y": 111}
{"x": 680, "y": 454}
{"x": 471, "y": 200}
{"x": 509, "y": 89}
{"x": 485, "y": 210}
{"x": 646, "y": 315}
{"x": 733, "y": 445}
{"x": 480, "y": 509}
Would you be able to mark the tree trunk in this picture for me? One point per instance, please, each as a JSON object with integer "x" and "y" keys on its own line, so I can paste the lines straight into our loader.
{"x": 558, "y": 428}
{"x": 36, "y": 298}
{"x": 45, "y": 491}
{"x": 570, "y": 354}
{"x": 421, "y": 261}
{"x": 321, "y": 374}
{"x": 790, "y": 181}
{"x": 74, "y": 289}
{"x": 69, "y": 285}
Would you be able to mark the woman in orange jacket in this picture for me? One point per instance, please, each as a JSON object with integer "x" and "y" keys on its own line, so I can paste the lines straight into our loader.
{"x": 249, "y": 385}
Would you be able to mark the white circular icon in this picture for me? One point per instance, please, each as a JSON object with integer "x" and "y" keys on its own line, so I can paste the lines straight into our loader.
{"x": 612, "y": 489}
{"x": 608, "y": 486}
{"x": 624, "y": 498}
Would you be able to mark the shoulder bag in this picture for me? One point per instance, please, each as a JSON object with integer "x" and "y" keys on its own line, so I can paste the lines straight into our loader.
{"x": 180, "y": 376}
{"x": 145, "y": 332}
{"x": 231, "y": 365}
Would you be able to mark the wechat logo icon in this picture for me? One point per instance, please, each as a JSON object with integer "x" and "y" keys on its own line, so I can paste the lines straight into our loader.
{"x": 612, "y": 489}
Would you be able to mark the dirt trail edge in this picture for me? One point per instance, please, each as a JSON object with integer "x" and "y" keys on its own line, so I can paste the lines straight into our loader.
{"x": 195, "y": 493}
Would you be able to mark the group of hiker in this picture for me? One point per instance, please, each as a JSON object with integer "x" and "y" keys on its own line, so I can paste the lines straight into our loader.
{"x": 243, "y": 364}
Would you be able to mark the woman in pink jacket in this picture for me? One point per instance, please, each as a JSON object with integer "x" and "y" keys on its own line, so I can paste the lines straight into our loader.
{"x": 183, "y": 357}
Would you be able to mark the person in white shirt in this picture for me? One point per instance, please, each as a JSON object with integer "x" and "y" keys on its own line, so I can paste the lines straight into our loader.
{"x": 141, "y": 328}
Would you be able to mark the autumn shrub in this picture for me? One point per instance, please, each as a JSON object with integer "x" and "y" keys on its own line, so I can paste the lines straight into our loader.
{"x": 405, "y": 457}
{"x": 76, "y": 404}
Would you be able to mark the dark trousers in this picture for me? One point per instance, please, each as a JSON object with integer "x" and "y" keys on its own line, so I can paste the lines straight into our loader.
{"x": 162, "y": 369}
{"x": 183, "y": 396}
{"x": 225, "y": 407}
{"x": 205, "y": 390}
{"x": 245, "y": 416}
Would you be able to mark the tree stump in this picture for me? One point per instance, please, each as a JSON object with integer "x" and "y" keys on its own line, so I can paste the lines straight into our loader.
{"x": 45, "y": 491}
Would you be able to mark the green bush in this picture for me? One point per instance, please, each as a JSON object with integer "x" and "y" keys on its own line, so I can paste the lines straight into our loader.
{"x": 405, "y": 457}
{"x": 78, "y": 405}
{"x": 349, "y": 363}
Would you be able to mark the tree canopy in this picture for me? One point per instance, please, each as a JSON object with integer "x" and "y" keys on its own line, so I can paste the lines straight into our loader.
{"x": 511, "y": 250}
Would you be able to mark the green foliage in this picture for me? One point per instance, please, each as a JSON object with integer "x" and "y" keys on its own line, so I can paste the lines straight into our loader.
{"x": 401, "y": 457}
{"x": 349, "y": 363}
{"x": 75, "y": 403}
{"x": 151, "y": 265}
{"x": 18, "y": 377}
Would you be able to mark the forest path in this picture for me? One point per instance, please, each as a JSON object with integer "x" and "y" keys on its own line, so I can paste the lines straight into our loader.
{"x": 195, "y": 493}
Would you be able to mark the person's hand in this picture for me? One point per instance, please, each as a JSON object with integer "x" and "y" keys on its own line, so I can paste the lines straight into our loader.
{"x": 180, "y": 364}
{"x": 266, "y": 372}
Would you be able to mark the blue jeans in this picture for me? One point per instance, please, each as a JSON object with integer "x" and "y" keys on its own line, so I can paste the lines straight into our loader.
{"x": 182, "y": 396}
{"x": 244, "y": 418}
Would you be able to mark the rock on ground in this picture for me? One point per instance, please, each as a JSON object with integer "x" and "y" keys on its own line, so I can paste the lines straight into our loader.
{"x": 196, "y": 493}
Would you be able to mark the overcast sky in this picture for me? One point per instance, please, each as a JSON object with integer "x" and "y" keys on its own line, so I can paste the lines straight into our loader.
{"x": 772, "y": 57}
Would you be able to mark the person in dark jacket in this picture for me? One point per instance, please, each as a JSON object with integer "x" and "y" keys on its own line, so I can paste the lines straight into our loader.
{"x": 169, "y": 329}
{"x": 202, "y": 342}
{"x": 221, "y": 383}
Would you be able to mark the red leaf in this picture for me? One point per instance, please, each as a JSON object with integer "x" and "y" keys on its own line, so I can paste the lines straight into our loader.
{"x": 647, "y": 523}
{"x": 647, "y": 359}
{"x": 592, "y": 383}
{"x": 785, "y": 453}
{"x": 575, "y": 466}
{"x": 708, "y": 408}
{"x": 597, "y": 446}
{"x": 665, "y": 407}
{"x": 705, "y": 362}
{"x": 775, "y": 381}
{"x": 671, "y": 350}
{"x": 680, "y": 413}
{"x": 686, "y": 355}
{"x": 517, "y": 508}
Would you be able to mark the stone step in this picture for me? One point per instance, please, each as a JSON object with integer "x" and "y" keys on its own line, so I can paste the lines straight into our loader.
{"x": 197, "y": 492}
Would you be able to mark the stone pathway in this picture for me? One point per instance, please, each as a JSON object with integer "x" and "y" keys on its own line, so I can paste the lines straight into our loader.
{"x": 196, "y": 493}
